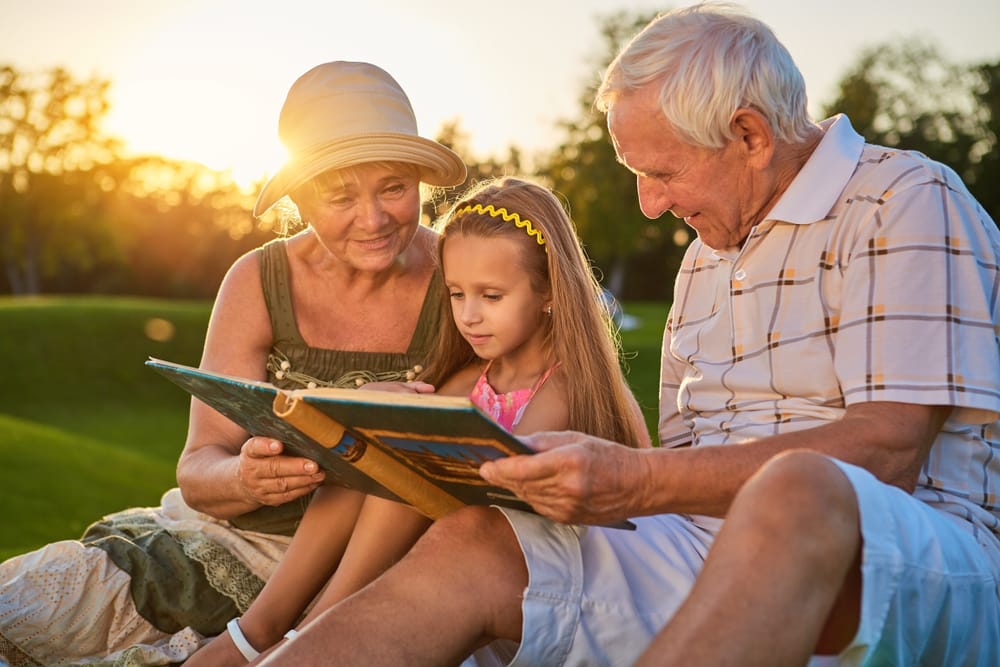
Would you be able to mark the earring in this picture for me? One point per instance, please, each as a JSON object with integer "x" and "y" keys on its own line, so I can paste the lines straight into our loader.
{"x": 548, "y": 311}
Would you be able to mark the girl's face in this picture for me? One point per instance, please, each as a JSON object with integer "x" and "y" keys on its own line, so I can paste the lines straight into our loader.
{"x": 367, "y": 219}
{"x": 494, "y": 305}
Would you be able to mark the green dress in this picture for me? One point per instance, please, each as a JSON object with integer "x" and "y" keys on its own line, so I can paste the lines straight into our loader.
{"x": 187, "y": 574}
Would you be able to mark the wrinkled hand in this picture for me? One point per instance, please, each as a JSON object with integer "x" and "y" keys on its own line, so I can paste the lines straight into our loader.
{"x": 268, "y": 477}
{"x": 575, "y": 478}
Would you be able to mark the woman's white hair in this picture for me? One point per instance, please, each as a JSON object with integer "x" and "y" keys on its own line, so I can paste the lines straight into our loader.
{"x": 711, "y": 59}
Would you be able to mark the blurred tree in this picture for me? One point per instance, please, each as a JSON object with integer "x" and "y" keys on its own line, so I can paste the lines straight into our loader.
{"x": 601, "y": 195}
{"x": 454, "y": 137}
{"x": 985, "y": 182}
{"x": 903, "y": 94}
{"x": 907, "y": 95}
{"x": 50, "y": 138}
{"x": 179, "y": 225}
{"x": 75, "y": 216}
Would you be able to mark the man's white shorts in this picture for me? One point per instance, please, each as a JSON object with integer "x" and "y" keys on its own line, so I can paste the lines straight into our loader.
{"x": 598, "y": 596}
{"x": 930, "y": 588}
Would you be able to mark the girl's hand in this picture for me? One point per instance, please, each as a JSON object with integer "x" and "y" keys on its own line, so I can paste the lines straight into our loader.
{"x": 267, "y": 477}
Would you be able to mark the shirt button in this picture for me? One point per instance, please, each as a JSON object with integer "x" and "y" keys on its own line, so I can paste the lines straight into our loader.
{"x": 740, "y": 274}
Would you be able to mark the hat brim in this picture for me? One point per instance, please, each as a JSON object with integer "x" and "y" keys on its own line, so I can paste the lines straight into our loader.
{"x": 438, "y": 164}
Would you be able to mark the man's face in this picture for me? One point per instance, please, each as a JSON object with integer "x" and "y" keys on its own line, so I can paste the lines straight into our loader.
{"x": 710, "y": 189}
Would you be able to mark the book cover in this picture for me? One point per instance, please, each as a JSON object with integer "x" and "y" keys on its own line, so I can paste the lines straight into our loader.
{"x": 423, "y": 449}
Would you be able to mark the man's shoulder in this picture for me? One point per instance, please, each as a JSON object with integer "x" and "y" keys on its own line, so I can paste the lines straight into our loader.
{"x": 896, "y": 182}
{"x": 897, "y": 168}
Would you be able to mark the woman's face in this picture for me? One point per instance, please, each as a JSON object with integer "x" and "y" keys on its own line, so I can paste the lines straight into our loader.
{"x": 367, "y": 216}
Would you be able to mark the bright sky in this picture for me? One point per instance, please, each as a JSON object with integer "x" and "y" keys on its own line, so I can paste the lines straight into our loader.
{"x": 204, "y": 79}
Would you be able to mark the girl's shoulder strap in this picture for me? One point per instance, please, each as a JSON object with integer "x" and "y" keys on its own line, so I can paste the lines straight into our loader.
{"x": 545, "y": 376}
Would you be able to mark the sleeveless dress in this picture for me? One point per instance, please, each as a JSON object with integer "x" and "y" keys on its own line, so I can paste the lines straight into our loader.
{"x": 146, "y": 586}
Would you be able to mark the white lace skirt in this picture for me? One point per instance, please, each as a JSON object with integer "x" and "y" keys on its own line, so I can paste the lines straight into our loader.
{"x": 69, "y": 603}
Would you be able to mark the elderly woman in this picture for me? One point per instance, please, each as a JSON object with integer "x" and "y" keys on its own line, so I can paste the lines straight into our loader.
{"x": 352, "y": 298}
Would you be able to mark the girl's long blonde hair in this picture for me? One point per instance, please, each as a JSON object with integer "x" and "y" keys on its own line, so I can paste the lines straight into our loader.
{"x": 580, "y": 333}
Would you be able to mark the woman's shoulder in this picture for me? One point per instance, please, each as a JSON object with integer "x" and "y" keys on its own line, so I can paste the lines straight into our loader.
{"x": 301, "y": 246}
{"x": 240, "y": 312}
{"x": 243, "y": 274}
{"x": 249, "y": 263}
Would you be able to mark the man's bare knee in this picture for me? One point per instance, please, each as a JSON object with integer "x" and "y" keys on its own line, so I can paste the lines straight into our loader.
{"x": 469, "y": 543}
{"x": 474, "y": 551}
{"x": 470, "y": 530}
{"x": 801, "y": 485}
{"x": 802, "y": 501}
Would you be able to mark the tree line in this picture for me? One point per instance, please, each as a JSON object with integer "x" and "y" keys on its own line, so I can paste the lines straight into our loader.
{"x": 78, "y": 216}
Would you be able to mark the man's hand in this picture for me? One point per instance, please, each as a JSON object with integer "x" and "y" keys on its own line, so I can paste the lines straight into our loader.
{"x": 575, "y": 478}
{"x": 269, "y": 478}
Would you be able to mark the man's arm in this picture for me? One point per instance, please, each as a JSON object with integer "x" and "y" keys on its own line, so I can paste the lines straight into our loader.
{"x": 581, "y": 479}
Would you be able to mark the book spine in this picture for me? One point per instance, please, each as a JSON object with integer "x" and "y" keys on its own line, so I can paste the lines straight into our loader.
{"x": 405, "y": 482}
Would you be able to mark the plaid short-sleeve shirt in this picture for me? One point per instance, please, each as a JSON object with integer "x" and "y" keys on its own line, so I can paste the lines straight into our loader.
{"x": 874, "y": 278}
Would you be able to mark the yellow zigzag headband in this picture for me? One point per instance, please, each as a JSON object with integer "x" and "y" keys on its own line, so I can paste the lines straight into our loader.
{"x": 501, "y": 212}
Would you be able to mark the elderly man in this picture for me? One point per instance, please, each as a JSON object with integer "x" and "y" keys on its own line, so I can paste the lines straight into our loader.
{"x": 828, "y": 481}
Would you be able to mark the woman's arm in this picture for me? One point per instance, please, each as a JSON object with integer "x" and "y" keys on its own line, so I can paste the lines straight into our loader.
{"x": 222, "y": 470}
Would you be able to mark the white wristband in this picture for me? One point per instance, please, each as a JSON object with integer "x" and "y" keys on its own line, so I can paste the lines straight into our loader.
{"x": 245, "y": 648}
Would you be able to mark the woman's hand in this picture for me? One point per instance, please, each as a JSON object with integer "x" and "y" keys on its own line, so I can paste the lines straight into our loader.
{"x": 267, "y": 477}
{"x": 575, "y": 478}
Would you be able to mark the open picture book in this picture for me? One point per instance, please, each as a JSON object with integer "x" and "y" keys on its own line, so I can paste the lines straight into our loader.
{"x": 421, "y": 449}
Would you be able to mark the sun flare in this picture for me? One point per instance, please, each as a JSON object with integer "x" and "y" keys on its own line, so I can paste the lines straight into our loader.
{"x": 207, "y": 134}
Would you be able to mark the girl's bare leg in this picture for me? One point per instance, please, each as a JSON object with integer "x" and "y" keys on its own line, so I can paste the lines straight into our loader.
{"x": 459, "y": 587}
{"x": 384, "y": 532}
{"x": 314, "y": 553}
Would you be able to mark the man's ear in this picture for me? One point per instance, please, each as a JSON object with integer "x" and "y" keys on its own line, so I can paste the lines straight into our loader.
{"x": 754, "y": 136}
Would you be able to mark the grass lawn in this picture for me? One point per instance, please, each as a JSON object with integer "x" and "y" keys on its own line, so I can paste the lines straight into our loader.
{"x": 641, "y": 349}
{"x": 86, "y": 429}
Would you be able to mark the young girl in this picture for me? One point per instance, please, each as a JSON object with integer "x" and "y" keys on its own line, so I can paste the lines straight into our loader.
{"x": 529, "y": 342}
{"x": 528, "y": 322}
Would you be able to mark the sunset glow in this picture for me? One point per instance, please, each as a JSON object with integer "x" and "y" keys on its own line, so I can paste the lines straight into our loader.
{"x": 204, "y": 80}
{"x": 216, "y": 140}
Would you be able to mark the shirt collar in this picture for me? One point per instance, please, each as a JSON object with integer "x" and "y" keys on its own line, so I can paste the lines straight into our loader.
{"x": 816, "y": 188}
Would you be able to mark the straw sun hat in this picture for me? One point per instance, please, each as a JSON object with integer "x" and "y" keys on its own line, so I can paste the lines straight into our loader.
{"x": 340, "y": 114}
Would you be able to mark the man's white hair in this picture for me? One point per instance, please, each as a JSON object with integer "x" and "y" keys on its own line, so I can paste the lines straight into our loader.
{"x": 709, "y": 60}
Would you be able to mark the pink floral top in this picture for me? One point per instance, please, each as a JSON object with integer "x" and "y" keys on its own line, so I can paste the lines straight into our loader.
{"x": 505, "y": 409}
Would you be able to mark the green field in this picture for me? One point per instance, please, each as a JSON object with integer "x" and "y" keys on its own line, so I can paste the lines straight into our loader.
{"x": 86, "y": 429}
